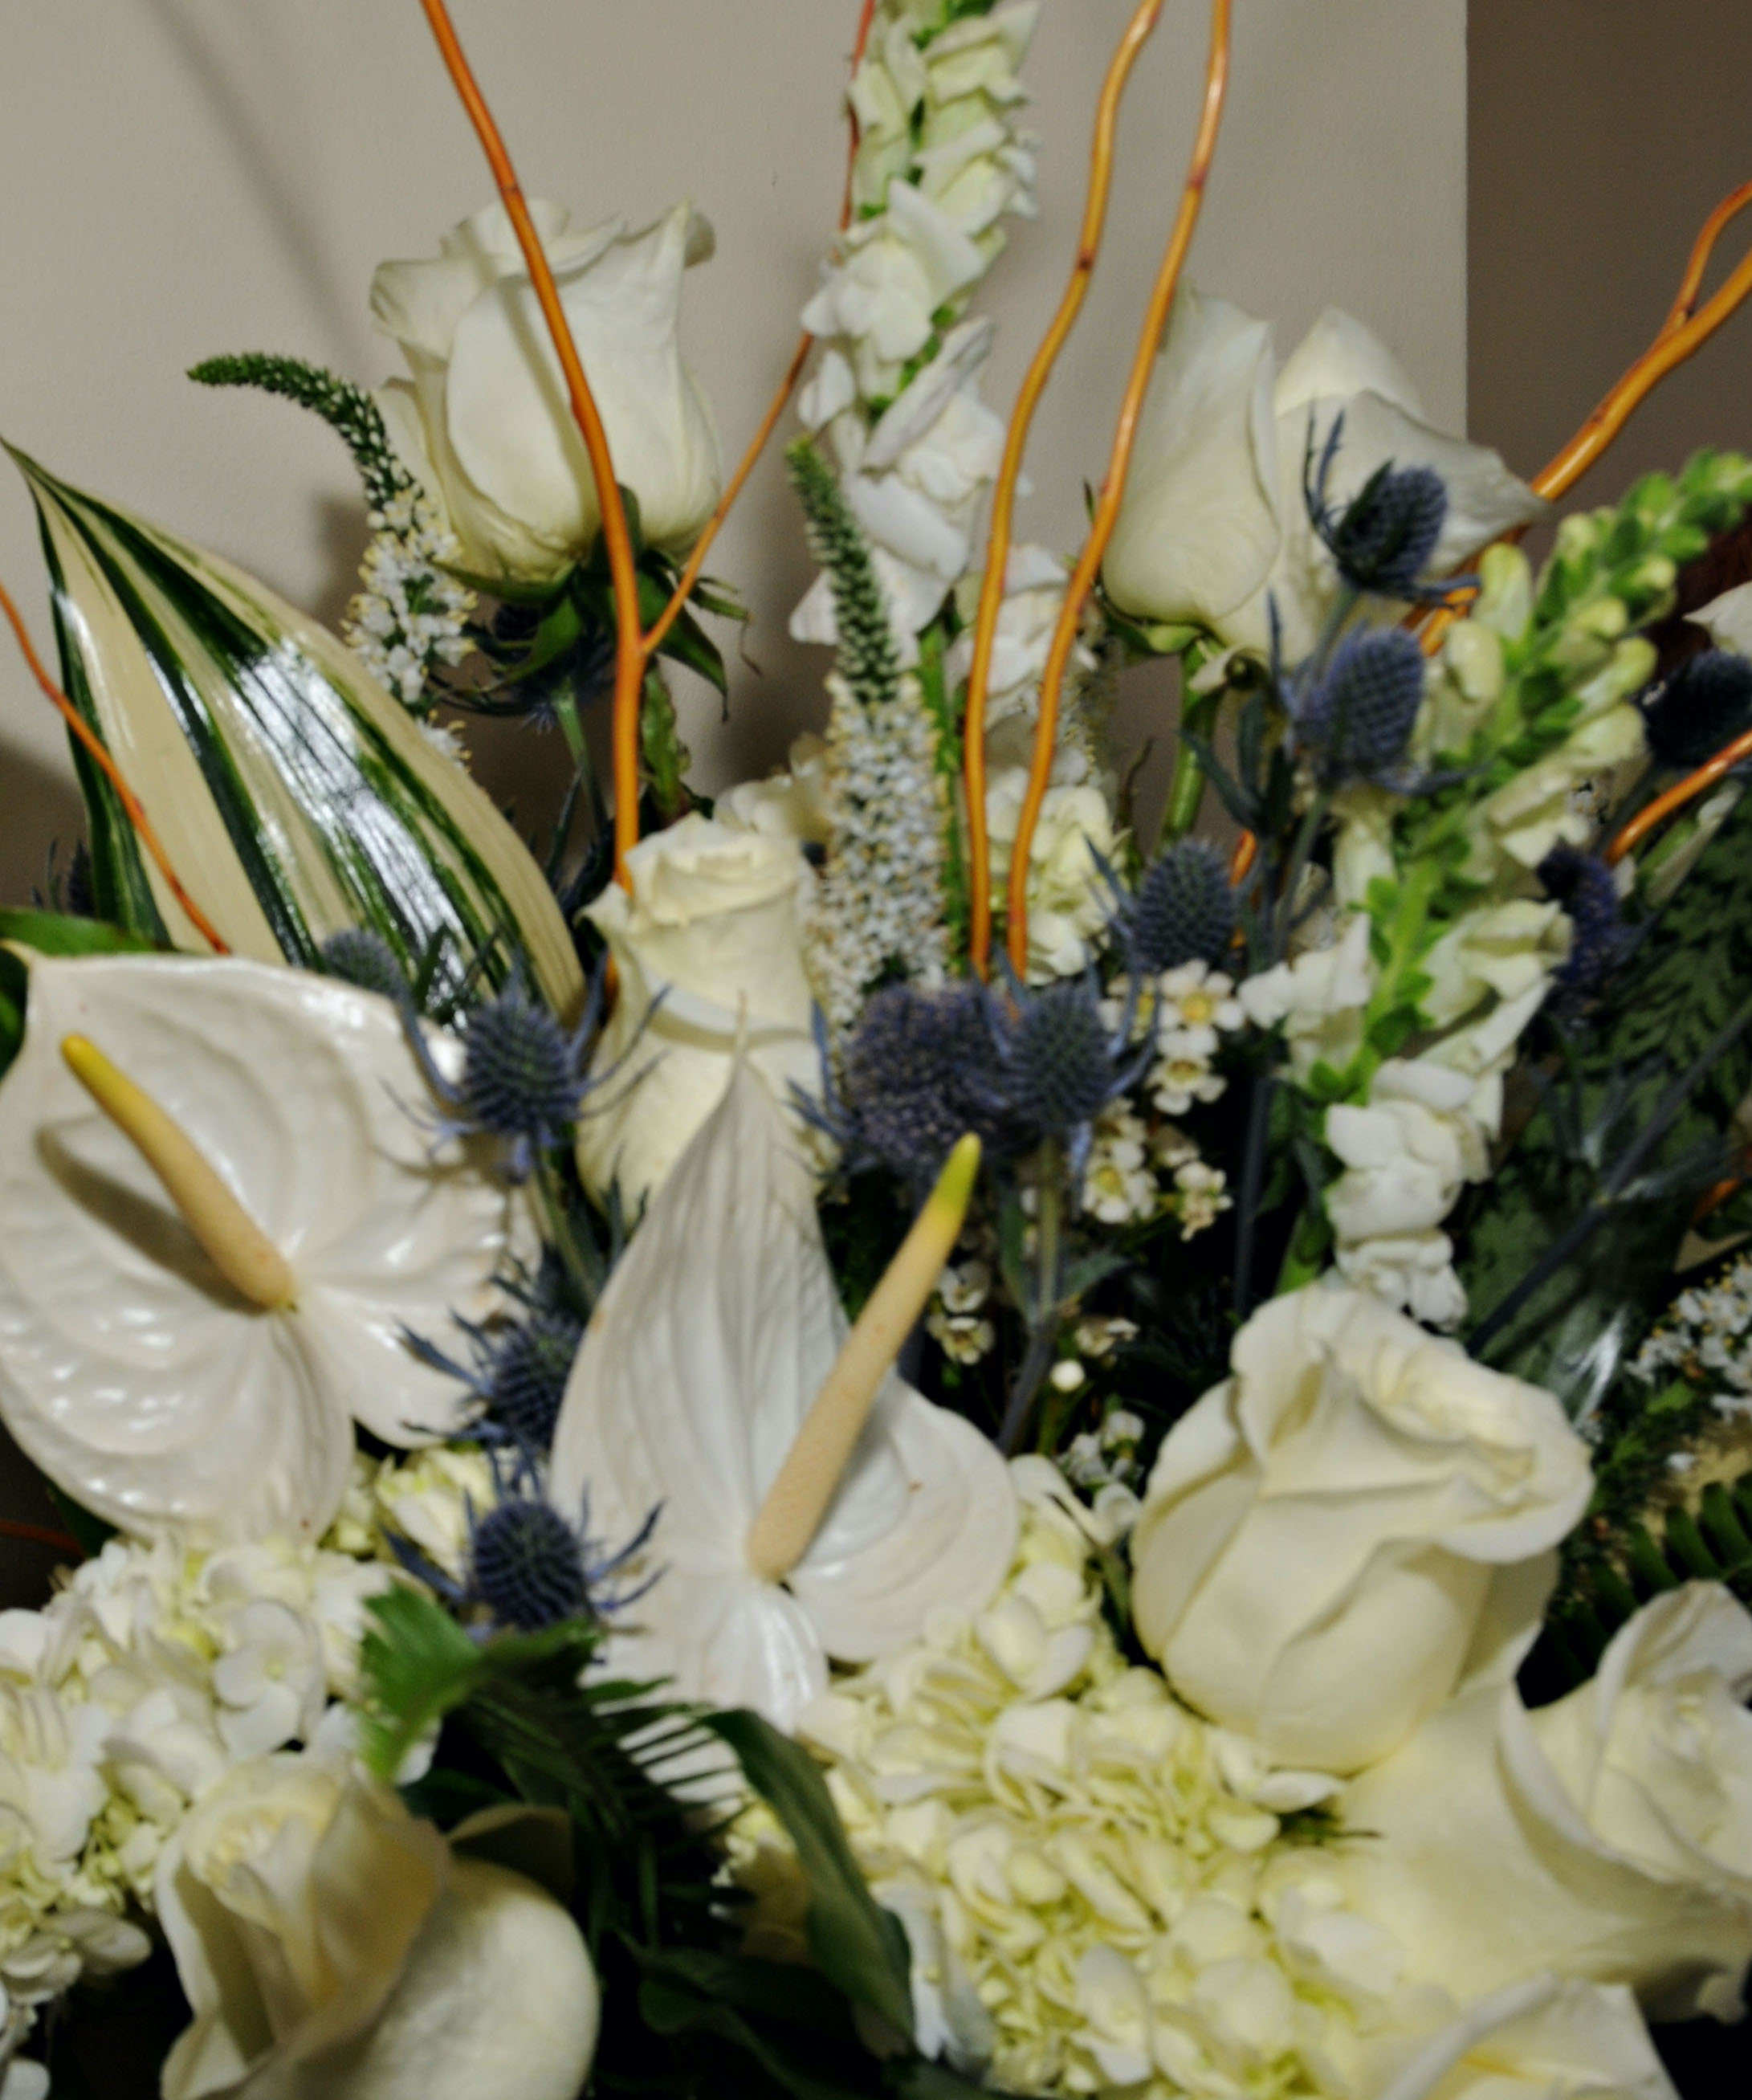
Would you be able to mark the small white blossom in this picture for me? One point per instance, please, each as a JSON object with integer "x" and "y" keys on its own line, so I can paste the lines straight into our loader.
{"x": 412, "y": 614}
{"x": 1198, "y": 1197}
{"x": 1119, "y": 1188}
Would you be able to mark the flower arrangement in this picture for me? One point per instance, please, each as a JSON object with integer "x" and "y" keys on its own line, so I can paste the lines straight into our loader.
{"x": 916, "y": 1430}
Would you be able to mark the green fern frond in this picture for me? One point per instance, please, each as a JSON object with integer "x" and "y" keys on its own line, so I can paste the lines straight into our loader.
{"x": 348, "y": 410}
{"x": 869, "y": 661}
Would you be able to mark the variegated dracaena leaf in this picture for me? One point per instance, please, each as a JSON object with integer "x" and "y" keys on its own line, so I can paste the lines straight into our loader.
{"x": 292, "y": 795}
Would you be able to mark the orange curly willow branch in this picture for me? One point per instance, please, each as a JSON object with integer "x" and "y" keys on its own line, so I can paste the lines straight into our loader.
{"x": 93, "y": 746}
{"x": 1113, "y": 484}
{"x": 1137, "y": 35}
{"x": 634, "y": 647}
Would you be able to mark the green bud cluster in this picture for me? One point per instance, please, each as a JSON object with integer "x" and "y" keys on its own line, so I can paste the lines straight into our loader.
{"x": 348, "y": 410}
{"x": 869, "y": 661}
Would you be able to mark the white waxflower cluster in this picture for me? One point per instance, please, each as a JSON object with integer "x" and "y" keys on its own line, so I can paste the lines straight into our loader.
{"x": 1706, "y": 1334}
{"x": 1136, "y": 1171}
{"x": 1106, "y": 1456}
{"x": 152, "y": 1675}
{"x": 1194, "y": 1007}
{"x": 881, "y": 900}
{"x": 412, "y": 614}
{"x": 941, "y": 160}
{"x": 1101, "y": 1892}
{"x": 958, "y": 1320}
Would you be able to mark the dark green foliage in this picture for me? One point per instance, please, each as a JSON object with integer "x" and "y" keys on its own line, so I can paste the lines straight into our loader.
{"x": 348, "y": 410}
{"x": 1692, "y": 972}
{"x": 869, "y": 661}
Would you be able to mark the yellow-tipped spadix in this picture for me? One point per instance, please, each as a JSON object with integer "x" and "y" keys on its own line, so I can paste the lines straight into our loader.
{"x": 229, "y": 1236}
{"x": 798, "y": 1499}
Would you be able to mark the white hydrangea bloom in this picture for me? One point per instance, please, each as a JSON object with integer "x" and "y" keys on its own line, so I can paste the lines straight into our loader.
{"x": 1099, "y": 1891}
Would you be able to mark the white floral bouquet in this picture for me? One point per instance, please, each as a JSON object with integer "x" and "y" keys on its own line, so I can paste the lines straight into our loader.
{"x": 919, "y": 1430}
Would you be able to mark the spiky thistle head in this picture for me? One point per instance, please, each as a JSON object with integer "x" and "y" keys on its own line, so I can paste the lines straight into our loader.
{"x": 1357, "y": 717}
{"x": 1706, "y": 703}
{"x": 1061, "y": 1061}
{"x": 1183, "y": 910}
{"x": 526, "y": 1564}
{"x": 1598, "y": 938}
{"x": 529, "y": 1366}
{"x": 523, "y": 1076}
{"x": 360, "y": 957}
{"x": 918, "y": 1077}
{"x": 1385, "y": 538}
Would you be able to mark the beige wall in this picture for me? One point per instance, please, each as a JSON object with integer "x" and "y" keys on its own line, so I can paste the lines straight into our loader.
{"x": 1603, "y": 131}
{"x": 180, "y": 177}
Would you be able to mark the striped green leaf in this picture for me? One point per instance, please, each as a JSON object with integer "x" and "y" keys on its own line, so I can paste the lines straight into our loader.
{"x": 292, "y": 795}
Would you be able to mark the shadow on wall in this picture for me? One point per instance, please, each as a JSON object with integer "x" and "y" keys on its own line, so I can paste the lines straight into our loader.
{"x": 44, "y": 811}
{"x": 1603, "y": 133}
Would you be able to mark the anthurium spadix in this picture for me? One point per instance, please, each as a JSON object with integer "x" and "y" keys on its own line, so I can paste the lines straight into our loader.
{"x": 295, "y": 796}
{"x": 702, "y": 1365}
{"x": 217, "y": 1215}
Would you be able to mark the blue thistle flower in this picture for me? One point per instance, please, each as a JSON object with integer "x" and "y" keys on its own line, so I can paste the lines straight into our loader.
{"x": 1706, "y": 704}
{"x": 358, "y": 956}
{"x": 530, "y": 1567}
{"x": 916, "y": 1073}
{"x": 524, "y": 1078}
{"x": 1385, "y": 538}
{"x": 1183, "y": 910}
{"x": 1356, "y": 716}
{"x": 519, "y": 1372}
{"x": 1599, "y": 940}
{"x": 1059, "y": 1062}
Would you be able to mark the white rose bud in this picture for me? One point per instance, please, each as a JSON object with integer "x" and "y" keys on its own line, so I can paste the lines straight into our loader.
{"x": 708, "y": 946}
{"x": 1359, "y": 1519}
{"x": 1608, "y": 1836}
{"x": 485, "y": 421}
{"x": 331, "y": 1945}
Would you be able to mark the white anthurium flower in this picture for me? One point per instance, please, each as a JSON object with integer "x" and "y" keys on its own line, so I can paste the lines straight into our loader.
{"x": 132, "y": 1371}
{"x": 716, "y": 1332}
{"x": 485, "y": 422}
{"x": 1728, "y": 619}
{"x": 1215, "y": 529}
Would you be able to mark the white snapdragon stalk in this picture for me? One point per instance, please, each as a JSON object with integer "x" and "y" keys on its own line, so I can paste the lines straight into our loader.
{"x": 940, "y": 161}
{"x": 1214, "y": 530}
{"x": 1068, "y": 902}
{"x": 483, "y": 422}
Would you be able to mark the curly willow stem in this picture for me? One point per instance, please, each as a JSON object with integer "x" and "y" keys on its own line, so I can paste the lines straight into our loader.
{"x": 1003, "y": 501}
{"x": 93, "y": 746}
{"x": 1113, "y": 484}
{"x": 1684, "y": 332}
{"x": 629, "y": 641}
{"x": 696, "y": 561}
{"x": 1687, "y": 790}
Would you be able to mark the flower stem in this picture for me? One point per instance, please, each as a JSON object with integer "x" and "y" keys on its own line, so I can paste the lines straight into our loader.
{"x": 1252, "y": 1182}
{"x": 1048, "y": 1295}
{"x": 1180, "y": 813}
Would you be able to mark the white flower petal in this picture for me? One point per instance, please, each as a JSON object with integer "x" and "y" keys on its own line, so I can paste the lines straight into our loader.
{"x": 1200, "y": 523}
{"x": 1728, "y": 619}
{"x": 128, "y": 1371}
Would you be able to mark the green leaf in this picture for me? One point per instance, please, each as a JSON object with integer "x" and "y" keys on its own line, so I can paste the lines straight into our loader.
{"x": 49, "y": 933}
{"x": 857, "y": 1945}
{"x": 293, "y": 796}
{"x": 416, "y": 1664}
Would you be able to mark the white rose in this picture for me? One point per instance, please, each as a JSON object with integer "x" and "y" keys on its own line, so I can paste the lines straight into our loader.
{"x": 333, "y": 1948}
{"x": 1550, "y": 2038}
{"x": 1609, "y": 1835}
{"x": 1214, "y": 529}
{"x": 712, "y": 924}
{"x": 485, "y": 421}
{"x": 1355, "y": 1522}
{"x": 792, "y": 805}
{"x": 1068, "y": 902}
